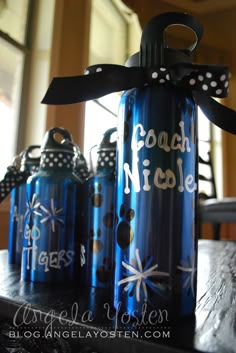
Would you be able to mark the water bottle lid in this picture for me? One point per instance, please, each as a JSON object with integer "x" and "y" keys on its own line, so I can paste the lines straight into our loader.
{"x": 153, "y": 49}
{"x": 51, "y": 143}
{"x": 133, "y": 60}
{"x": 107, "y": 151}
{"x": 30, "y": 158}
{"x": 58, "y": 151}
{"x": 106, "y": 143}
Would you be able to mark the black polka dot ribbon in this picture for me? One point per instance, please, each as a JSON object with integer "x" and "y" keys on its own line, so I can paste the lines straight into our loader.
{"x": 81, "y": 167}
{"x": 107, "y": 159}
{"x": 58, "y": 160}
{"x": 12, "y": 178}
{"x": 205, "y": 78}
{"x": 204, "y": 81}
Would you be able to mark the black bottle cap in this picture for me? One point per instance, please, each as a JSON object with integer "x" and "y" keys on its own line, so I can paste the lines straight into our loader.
{"x": 30, "y": 158}
{"x": 154, "y": 51}
{"x": 106, "y": 143}
{"x": 133, "y": 60}
{"x": 107, "y": 151}
{"x": 52, "y": 144}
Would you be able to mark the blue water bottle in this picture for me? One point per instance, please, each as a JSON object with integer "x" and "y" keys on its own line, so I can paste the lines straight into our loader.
{"x": 157, "y": 160}
{"x": 98, "y": 237}
{"x": 50, "y": 231}
{"x": 156, "y": 190}
{"x": 29, "y": 163}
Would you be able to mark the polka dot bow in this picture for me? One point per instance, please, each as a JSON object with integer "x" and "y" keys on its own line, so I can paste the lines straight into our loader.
{"x": 12, "y": 178}
{"x": 204, "y": 81}
{"x": 209, "y": 80}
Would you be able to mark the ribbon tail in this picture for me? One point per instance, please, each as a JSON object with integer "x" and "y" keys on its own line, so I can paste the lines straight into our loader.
{"x": 217, "y": 113}
{"x": 12, "y": 179}
{"x": 76, "y": 89}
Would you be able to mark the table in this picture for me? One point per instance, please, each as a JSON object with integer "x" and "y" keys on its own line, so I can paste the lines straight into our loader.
{"x": 212, "y": 330}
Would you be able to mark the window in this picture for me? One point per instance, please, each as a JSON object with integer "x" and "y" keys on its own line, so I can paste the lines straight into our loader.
{"x": 217, "y": 157}
{"x": 14, "y": 17}
{"x": 114, "y": 29}
{"x": 210, "y": 140}
{"x": 26, "y": 28}
{"x": 204, "y": 146}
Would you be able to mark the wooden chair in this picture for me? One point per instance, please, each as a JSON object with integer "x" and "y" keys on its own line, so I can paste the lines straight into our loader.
{"x": 211, "y": 209}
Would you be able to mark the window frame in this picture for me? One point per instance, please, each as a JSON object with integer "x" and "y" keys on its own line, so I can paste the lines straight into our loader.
{"x": 25, "y": 50}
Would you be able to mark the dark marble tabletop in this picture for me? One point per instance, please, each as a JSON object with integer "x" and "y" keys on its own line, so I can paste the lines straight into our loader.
{"x": 68, "y": 308}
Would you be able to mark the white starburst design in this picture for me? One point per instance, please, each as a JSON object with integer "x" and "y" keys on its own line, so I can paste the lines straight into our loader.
{"x": 53, "y": 215}
{"x": 82, "y": 255}
{"x": 189, "y": 270}
{"x": 141, "y": 276}
{"x": 32, "y": 207}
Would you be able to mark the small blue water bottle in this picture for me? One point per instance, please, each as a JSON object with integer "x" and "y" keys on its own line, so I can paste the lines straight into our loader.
{"x": 98, "y": 237}
{"x": 51, "y": 225}
{"x": 29, "y": 164}
{"x": 156, "y": 194}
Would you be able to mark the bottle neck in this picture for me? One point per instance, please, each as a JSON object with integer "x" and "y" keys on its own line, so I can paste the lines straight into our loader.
{"x": 57, "y": 161}
{"x": 106, "y": 160}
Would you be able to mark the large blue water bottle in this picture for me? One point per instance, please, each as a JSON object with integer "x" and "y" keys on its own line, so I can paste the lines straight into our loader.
{"x": 50, "y": 232}
{"x": 156, "y": 190}
{"x": 157, "y": 173}
{"x": 29, "y": 163}
{"x": 98, "y": 237}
